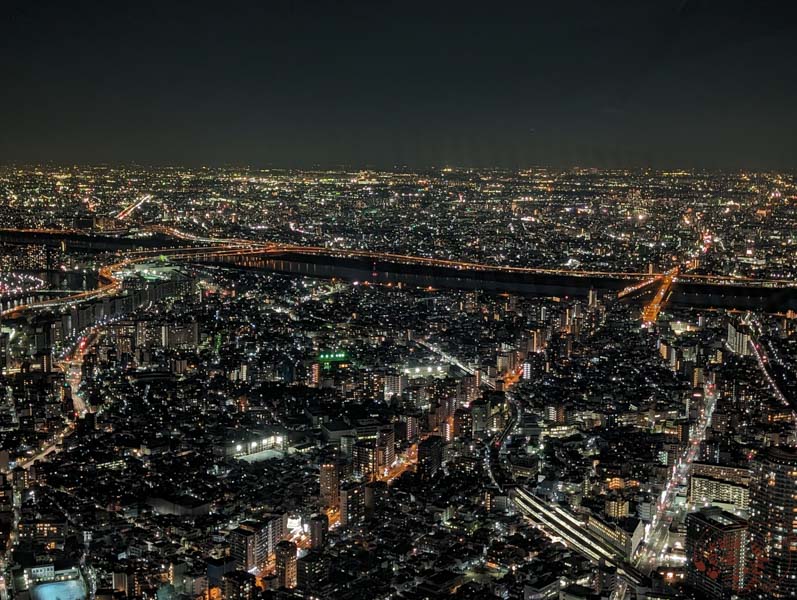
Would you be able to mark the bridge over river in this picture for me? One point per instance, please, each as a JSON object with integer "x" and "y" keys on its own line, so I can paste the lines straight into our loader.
{"x": 685, "y": 291}
{"x": 360, "y": 265}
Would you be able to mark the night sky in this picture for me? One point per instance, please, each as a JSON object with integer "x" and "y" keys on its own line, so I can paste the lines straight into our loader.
{"x": 380, "y": 83}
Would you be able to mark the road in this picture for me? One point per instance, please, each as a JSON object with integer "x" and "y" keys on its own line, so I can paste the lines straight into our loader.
{"x": 72, "y": 368}
{"x": 651, "y": 311}
{"x": 72, "y": 371}
{"x": 125, "y": 212}
{"x": 452, "y": 360}
{"x": 405, "y": 462}
{"x": 651, "y": 553}
{"x": 763, "y": 364}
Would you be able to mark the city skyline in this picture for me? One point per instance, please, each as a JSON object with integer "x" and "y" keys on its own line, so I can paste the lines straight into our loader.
{"x": 574, "y": 381}
{"x": 348, "y": 300}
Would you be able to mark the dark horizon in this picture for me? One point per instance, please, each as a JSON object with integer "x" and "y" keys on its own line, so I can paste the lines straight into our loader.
{"x": 397, "y": 169}
{"x": 662, "y": 85}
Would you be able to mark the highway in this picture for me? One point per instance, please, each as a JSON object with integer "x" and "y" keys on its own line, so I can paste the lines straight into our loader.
{"x": 254, "y": 247}
{"x": 109, "y": 285}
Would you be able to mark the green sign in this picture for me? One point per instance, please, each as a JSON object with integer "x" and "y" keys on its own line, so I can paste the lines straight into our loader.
{"x": 337, "y": 356}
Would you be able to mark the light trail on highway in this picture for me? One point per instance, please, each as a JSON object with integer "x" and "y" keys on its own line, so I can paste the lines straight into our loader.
{"x": 125, "y": 212}
{"x": 763, "y": 364}
{"x": 657, "y": 532}
{"x": 651, "y": 311}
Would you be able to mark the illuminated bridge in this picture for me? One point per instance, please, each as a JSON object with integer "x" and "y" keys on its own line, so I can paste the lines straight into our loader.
{"x": 417, "y": 271}
{"x": 79, "y": 240}
{"x": 682, "y": 290}
{"x": 385, "y": 268}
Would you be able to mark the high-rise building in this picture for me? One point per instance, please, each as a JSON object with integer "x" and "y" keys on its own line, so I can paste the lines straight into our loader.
{"x": 352, "y": 504}
{"x": 239, "y": 585}
{"x": 375, "y": 496}
{"x": 616, "y": 508}
{"x": 463, "y": 423}
{"x": 479, "y": 416}
{"x": 413, "y": 425}
{"x": 365, "y": 459}
{"x": 718, "y": 483}
{"x": 394, "y": 386}
{"x": 738, "y": 339}
{"x": 319, "y": 526}
{"x": 329, "y": 479}
{"x": 526, "y": 370}
{"x": 311, "y": 571}
{"x": 254, "y": 541}
{"x": 773, "y": 523}
{"x": 347, "y": 446}
{"x": 242, "y": 548}
{"x": 315, "y": 375}
{"x": 592, "y": 298}
{"x": 430, "y": 457}
{"x": 267, "y": 532}
{"x": 716, "y": 546}
{"x": 180, "y": 335}
{"x": 447, "y": 429}
{"x": 286, "y": 564}
{"x": 386, "y": 447}
{"x": 555, "y": 413}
